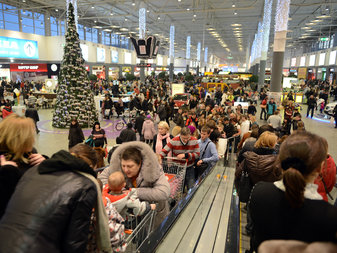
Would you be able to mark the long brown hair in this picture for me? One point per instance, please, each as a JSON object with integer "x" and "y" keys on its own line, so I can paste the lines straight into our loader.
{"x": 86, "y": 153}
{"x": 300, "y": 154}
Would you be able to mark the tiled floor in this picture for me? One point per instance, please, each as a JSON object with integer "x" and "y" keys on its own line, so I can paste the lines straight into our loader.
{"x": 51, "y": 140}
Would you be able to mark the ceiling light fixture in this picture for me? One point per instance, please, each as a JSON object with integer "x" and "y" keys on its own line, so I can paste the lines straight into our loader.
{"x": 188, "y": 9}
{"x": 235, "y": 13}
{"x": 235, "y": 24}
{"x": 194, "y": 15}
{"x": 158, "y": 17}
{"x": 148, "y": 11}
{"x": 111, "y": 14}
{"x": 92, "y": 7}
{"x": 56, "y": 10}
{"x": 233, "y": 5}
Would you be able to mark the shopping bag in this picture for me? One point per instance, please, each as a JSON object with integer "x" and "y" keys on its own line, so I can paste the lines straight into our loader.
{"x": 245, "y": 187}
{"x": 107, "y": 112}
{"x": 90, "y": 141}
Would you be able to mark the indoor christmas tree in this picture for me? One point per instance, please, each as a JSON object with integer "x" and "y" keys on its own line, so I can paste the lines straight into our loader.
{"x": 74, "y": 96}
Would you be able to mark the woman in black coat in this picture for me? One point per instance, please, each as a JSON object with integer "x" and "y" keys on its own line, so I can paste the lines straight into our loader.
{"x": 75, "y": 133}
{"x": 17, "y": 137}
{"x": 50, "y": 210}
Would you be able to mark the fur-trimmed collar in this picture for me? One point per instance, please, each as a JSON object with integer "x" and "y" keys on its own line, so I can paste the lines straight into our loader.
{"x": 150, "y": 170}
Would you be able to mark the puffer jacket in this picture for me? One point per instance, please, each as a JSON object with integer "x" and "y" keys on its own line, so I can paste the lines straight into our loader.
{"x": 148, "y": 129}
{"x": 152, "y": 185}
{"x": 260, "y": 165}
{"x": 50, "y": 209}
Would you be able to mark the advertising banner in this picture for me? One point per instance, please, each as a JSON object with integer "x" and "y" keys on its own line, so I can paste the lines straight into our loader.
{"x": 302, "y": 73}
{"x": 18, "y": 48}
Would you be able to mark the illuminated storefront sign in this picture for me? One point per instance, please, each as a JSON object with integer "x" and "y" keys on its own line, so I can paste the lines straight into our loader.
{"x": 18, "y": 48}
{"x": 28, "y": 68}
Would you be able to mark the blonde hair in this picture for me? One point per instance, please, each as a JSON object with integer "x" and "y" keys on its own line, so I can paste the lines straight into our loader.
{"x": 17, "y": 136}
{"x": 176, "y": 130}
{"x": 116, "y": 181}
{"x": 266, "y": 140}
{"x": 164, "y": 124}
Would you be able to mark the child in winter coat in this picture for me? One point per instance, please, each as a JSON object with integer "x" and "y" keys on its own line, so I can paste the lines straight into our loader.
{"x": 123, "y": 199}
{"x": 148, "y": 130}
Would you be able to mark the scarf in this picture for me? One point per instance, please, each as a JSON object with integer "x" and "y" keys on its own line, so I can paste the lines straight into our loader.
{"x": 310, "y": 190}
{"x": 159, "y": 144}
{"x": 102, "y": 227}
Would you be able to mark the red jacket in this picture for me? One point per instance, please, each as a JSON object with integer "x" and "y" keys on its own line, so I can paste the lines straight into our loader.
{"x": 6, "y": 111}
{"x": 329, "y": 176}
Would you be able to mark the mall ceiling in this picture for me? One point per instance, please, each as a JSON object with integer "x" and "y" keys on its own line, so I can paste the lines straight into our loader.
{"x": 227, "y": 27}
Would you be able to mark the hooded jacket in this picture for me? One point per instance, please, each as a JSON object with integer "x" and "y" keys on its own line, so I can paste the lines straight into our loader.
{"x": 75, "y": 135}
{"x": 148, "y": 129}
{"x": 50, "y": 209}
{"x": 260, "y": 165}
{"x": 152, "y": 185}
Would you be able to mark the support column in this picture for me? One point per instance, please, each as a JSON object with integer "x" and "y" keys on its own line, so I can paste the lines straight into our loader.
{"x": 198, "y": 70}
{"x": 265, "y": 40}
{"x": 171, "y": 70}
{"x": 106, "y": 69}
{"x": 171, "y": 53}
{"x": 188, "y": 53}
{"x": 142, "y": 72}
{"x": 120, "y": 71}
{"x": 20, "y": 20}
{"x": 281, "y": 26}
{"x": 142, "y": 30}
{"x": 47, "y": 27}
{"x": 247, "y": 57}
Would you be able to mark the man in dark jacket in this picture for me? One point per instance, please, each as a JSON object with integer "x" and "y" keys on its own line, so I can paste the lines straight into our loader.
{"x": 31, "y": 112}
{"x": 139, "y": 123}
{"x": 311, "y": 105}
{"x": 178, "y": 118}
{"x": 51, "y": 207}
{"x": 127, "y": 134}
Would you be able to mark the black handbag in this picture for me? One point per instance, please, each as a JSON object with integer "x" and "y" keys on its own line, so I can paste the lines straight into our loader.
{"x": 245, "y": 187}
{"x": 200, "y": 169}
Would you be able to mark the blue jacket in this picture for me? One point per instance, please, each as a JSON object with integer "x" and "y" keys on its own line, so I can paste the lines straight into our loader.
{"x": 210, "y": 155}
{"x": 271, "y": 108}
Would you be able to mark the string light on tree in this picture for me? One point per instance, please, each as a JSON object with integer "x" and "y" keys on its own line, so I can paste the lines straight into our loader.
{"x": 74, "y": 98}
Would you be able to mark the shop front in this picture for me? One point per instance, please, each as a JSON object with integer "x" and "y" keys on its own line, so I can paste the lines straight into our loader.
{"x": 160, "y": 69}
{"x": 5, "y": 72}
{"x": 99, "y": 71}
{"x": 321, "y": 73}
{"x": 293, "y": 72}
{"x": 53, "y": 70}
{"x": 126, "y": 70}
{"x": 311, "y": 74}
{"x": 332, "y": 75}
{"x": 285, "y": 72}
{"x": 28, "y": 72}
{"x": 113, "y": 73}
{"x": 302, "y": 73}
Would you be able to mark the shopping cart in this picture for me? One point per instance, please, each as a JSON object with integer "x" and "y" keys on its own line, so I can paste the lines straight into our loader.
{"x": 175, "y": 170}
{"x": 137, "y": 230}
